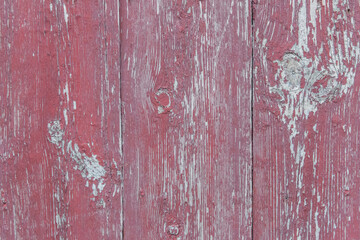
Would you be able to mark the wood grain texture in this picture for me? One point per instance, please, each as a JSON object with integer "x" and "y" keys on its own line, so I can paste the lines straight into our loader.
{"x": 186, "y": 91}
{"x": 60, "y": 141}
{"x": 133, "y": 119}
{"x": 306, "y": 111}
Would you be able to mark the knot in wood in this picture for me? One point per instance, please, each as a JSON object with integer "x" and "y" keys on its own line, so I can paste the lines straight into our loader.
{"x": 163, "y": 100}
{"x": 173, "y": 230}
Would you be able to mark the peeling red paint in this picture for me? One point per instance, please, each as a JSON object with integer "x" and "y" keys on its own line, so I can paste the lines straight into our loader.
{"x": 169, "y": 119}
{"x": 305, "y": 154}
{"x": 186, "y": 77}
{"x": 59, "y": 62}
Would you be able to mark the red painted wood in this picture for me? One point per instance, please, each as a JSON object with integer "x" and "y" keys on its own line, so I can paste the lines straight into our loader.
{"x": 306, "y": 111}
{"x": 60, "y": 120}
{"x": 186, "y": 86}
{"x": 172, "y": 159}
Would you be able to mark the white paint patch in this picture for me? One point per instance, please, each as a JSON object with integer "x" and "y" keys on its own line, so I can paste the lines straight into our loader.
{"x": 66, "y": 15}
{"x": 65, "y": 116}
{"x": 314, "y": 128}
{"x": 89, "y": 166}
{"x": 303, "y": 30}
{"x": 304, "y": 84}
{"x": 95, "y": 192}
{"x": 56, "y": 133}
{"x": 66, "y": 91}
{"x": 175, "y": 85}
{"x": 317, "y": 228}
{"x": 60, "y": 220}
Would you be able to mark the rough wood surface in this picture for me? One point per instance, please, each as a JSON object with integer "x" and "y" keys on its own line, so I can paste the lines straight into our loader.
{"x": 186, "y": 90}
{"x": 134, "y": 119}
{"x": 306, "y": 111}
{"x": 60, "y": 120}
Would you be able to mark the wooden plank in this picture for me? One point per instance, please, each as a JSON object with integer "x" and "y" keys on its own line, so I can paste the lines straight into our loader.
{"x": 60, "y": 120}
{"x": 186, "y": 86}
{"x": 306, "y": 111}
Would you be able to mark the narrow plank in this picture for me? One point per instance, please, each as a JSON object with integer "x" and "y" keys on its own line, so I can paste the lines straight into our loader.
{"x": 306, "y": 110}
{"x": 60, "y": 120}
{"x": 186, "y": 86}
{"x": 28, "y": 94}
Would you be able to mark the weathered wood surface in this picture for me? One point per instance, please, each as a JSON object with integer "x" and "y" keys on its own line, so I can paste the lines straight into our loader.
{"x": 186, "y": 92}
{"x": 133, "y": 119}
{"x": 306, "y": 119}
{"x": 60, "y": 120}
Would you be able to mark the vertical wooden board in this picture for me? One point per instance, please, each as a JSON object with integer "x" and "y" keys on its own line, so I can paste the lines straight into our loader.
{"x": 60, "y": 120}
{"x": 28, "y": 93}
{"x": 186, "y": 86}
{"x": 306, "y": 111}
{"x": 91, "y": 113}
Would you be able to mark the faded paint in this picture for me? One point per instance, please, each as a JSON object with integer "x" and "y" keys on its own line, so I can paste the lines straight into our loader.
{"x": 186, "y": 81}
{"x": 232, "y": 119}
{"x": 59, "y": 121}
{"x": 306, "y": 57}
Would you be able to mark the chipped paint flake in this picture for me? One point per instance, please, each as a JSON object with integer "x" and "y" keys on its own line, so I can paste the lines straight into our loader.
{"x": 66, "y": 15}
{"x": 89, "y": 166}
